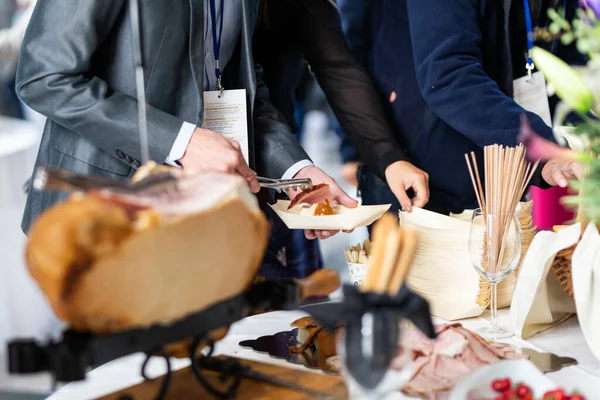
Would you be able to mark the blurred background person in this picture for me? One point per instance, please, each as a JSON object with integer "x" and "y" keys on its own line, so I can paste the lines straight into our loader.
{"x": 443, "y": 69}
{"x": 292, "y": 33}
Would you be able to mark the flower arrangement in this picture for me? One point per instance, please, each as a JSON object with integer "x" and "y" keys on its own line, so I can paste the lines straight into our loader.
{"x": 579, "y": 91}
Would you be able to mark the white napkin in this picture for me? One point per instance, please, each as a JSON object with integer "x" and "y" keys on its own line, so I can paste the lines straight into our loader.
{"x": 586, "y": 285}
{"x": 539, "y": 302}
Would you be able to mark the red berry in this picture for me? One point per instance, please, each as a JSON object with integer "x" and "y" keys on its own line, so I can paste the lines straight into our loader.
{"x": 499, "y": 397}
{"x": 511, "y": 395}
{"x": 576, "y": 396}
{"x": 523, "y": 390}
{"x": 558, "y": 394}
{"x": 501, "y": 385}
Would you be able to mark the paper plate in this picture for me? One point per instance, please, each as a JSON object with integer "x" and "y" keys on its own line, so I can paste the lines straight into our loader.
{"x": 347, "y": 219}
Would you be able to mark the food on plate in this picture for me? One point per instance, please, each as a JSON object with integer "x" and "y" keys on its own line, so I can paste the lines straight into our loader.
{"x": 109, "y": 263}
{"x": 436, "y": 365}
{"x": 319, "y": 193}
{"x": 323, "y": 208}
{"x": 316, "y": 202}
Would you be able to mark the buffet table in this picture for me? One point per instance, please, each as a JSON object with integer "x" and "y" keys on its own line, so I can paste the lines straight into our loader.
{"x": 564, "y": 340}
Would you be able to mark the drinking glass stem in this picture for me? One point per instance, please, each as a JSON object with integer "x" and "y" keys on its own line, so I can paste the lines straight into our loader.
{"x": 493, "y": 304}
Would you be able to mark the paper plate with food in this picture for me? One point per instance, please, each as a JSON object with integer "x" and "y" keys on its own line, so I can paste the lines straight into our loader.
{"x": 317, "y": 209}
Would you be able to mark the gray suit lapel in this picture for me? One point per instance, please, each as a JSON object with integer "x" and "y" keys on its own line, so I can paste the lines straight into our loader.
{"x": 197, "y": 45}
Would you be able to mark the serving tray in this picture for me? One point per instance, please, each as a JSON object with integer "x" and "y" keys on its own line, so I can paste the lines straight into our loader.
{"x": 184, "y": 385}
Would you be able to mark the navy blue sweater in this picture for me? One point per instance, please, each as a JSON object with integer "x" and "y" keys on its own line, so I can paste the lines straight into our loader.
{"x": 451, "y": 64}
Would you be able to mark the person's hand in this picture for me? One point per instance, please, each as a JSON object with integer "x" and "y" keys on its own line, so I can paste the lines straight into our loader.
{"x": 557, "y": 172}
{"x": 317, "y": 176}
{"x": 349, "y": 171}
{"x": 402, "y": 176}
{"x": 209, "y": 151}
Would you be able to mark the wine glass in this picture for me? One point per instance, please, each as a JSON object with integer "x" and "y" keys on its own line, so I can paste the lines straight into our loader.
{"x": 495, "y": 250}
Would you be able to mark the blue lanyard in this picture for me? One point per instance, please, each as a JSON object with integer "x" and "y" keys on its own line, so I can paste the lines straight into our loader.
{"x": 529, "y": 26}
{"x": 217, "y": 39}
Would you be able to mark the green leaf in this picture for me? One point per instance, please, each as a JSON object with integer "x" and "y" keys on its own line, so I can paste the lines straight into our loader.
{"x": 569, "y": 85}
{"x": 567, "y": 38}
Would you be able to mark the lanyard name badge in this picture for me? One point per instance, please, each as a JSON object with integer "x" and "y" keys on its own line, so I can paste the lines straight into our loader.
{"x": 530, "y": 91}
{"x": 225, "y": 111}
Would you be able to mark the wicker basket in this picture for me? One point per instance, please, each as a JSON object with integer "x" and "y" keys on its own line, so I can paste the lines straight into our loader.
{"x": 562, "y": 269}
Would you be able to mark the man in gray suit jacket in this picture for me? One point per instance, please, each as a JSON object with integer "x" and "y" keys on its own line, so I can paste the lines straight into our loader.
{"x": 76, "y": 68}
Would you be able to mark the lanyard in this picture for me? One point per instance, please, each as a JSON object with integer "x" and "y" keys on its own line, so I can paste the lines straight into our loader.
{"x": 529, "y": 65}
{"x": 217, "y": 39}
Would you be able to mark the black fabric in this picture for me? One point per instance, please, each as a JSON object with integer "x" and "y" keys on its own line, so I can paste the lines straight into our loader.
{"x": 294, "y": 31}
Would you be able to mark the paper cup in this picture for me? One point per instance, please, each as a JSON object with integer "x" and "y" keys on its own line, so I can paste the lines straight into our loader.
{"x": 357, "y": 273}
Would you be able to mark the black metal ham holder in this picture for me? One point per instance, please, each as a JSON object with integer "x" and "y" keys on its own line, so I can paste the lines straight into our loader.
{"x": 70, "y": 358}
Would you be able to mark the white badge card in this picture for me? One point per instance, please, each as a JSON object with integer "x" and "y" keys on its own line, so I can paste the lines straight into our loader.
{"x": 225, "y": 113}
{"x": 531, "y": 94}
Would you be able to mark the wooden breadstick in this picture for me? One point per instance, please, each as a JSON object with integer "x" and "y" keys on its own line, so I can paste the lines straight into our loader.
{"x": 390, "y": 261}
{"x": 362, "y": 257}
{"x": 381, "y": 231}
{"x": 409, "y": 244}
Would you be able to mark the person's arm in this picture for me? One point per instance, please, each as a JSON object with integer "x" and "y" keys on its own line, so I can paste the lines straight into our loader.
{"x": 358, "y": 107}
{"x": 278, "y": 152}
{"x": 349, "y": 89}
{"x": 11, "y": 38}
{"x": 53, "y": 79}
{"x": 356, "y": 24}
{"x": 446, "y": 41}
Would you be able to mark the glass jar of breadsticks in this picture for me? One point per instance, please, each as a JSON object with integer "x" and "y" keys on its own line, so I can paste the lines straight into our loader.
{"x": 495, "y": 237}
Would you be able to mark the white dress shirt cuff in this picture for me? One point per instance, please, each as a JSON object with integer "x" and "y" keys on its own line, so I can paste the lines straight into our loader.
{"x": 181, "y": 143}
{"x": 294, "y": 169}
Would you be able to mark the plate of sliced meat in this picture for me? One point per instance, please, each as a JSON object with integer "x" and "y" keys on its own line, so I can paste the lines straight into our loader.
{"x": 317, "y": 209}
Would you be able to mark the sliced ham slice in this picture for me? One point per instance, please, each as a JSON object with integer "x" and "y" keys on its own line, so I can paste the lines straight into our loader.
{"x": 440, "y": 364}
{"x": 319, "y": 193}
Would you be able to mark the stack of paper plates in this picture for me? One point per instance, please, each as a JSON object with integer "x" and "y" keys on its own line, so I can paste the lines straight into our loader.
{"x": 442, "y": 270}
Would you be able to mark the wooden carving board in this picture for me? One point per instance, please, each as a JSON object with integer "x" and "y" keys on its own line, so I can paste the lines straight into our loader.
{"x": 185, "y": 386}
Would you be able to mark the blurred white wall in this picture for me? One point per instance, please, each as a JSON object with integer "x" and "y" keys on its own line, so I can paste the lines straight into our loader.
{"x": 24, "y": 311}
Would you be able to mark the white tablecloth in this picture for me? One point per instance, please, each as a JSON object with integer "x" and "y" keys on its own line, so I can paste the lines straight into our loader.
{"x": 565, "y": 340}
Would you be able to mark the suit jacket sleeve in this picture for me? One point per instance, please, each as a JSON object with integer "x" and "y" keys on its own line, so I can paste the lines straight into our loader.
{"x": 349, "y": 89}
{"x": 53, "y": 78}
{"x": 448, "y": 63}
{"x": 277, "y": 149}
